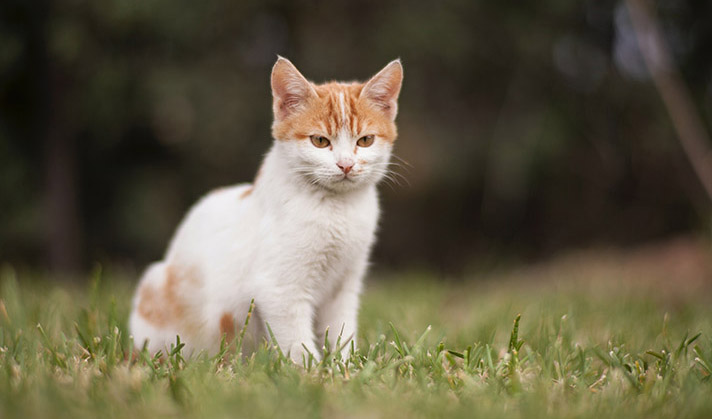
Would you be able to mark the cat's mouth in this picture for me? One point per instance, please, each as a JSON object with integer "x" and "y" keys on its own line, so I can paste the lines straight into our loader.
{"x": 341, "y": 182}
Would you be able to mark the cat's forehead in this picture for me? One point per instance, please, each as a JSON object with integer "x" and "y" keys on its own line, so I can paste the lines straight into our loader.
{"x": 333, "y": 89}
{"x": 340, "y": 108}
{"x": 336, "y": 107}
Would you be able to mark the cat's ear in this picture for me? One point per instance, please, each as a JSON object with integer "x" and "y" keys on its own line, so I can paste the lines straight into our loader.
{"x": 290, "y": 90}
{"x": 383, "y": 88}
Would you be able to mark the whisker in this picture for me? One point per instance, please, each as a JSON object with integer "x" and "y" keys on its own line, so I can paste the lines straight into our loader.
{"x": 401, "y": 160}
{"x": 385, "y": 171}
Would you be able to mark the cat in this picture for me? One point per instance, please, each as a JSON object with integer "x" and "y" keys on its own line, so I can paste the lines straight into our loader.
{"x": 297, "y": 240}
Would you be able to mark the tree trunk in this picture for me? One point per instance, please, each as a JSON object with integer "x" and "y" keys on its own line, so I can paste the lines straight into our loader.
{"x": 53, "y": 131}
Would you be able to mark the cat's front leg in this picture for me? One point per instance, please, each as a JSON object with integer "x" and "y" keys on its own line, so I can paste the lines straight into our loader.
{"x": 291, "y": 323}
{"x": 340, "y": 315}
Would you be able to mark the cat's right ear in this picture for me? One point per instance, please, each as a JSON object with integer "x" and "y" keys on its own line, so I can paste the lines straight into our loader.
{"x": 290, "y": 90}
{"x": 383, "y": 88}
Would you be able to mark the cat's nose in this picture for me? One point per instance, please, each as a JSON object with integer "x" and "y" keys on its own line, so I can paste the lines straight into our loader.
{"x": 345, "y": 166}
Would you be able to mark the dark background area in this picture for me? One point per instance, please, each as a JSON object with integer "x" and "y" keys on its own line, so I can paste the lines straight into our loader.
{"x": 527, "y": 128}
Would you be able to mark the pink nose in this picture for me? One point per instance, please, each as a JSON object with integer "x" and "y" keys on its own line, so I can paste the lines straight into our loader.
{"x": 345, "y": 167}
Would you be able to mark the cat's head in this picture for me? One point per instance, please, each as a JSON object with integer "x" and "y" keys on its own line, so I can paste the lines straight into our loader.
{"x": 337, "y": 136}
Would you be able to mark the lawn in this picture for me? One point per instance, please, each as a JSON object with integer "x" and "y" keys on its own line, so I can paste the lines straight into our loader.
{"x": 593, "y": 334}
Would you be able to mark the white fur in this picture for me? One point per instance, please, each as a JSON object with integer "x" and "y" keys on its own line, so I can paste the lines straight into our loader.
{"x": 342, "y": 106}
{"x": 298, "y": 244}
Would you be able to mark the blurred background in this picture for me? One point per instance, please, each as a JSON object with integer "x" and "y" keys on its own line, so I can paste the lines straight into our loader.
{"x": 526, "y": 128}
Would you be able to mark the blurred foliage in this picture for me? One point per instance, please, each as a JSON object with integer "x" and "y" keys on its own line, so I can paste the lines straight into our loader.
{"x": 526, "y": 127}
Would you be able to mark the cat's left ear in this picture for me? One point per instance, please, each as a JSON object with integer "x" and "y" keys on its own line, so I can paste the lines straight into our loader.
{"x": 290, "y": 90}
{"x": 383, "y": 88}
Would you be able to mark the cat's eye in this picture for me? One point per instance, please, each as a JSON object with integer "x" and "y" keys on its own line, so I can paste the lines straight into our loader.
{"x": 365, "y": 141}
{"x": 319, "y": 141}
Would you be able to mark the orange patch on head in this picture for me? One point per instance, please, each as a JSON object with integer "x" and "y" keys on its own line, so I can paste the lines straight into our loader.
{"x": 227, "y": 327}
{"x": 303, "y": 108}
{"x": 164, "y": 305}
{"x": 337, "y": 106}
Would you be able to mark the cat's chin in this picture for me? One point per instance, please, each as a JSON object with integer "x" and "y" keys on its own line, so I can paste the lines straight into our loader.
{"x": 343, "y": 184}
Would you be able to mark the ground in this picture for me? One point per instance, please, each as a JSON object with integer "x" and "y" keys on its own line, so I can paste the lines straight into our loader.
{"x": 604, "y": 333}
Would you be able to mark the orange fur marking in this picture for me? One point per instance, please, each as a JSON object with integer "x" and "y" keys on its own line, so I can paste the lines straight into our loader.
{"x": 227, "y": 327}
{"x": 164, "y": 306}
{"x": 324, "y": 113}
{"x": 246, "y": 192}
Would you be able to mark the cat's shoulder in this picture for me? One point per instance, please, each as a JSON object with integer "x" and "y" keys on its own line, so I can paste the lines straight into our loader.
{"x": 221, "y": 199}
{"x": 239, "y": 191}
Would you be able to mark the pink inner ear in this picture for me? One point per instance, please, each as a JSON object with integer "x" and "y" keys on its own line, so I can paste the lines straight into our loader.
{"x": 288, "y": 104}
{"x": 382, "y": 100}
{"x": 384, "y": 87}
{"x": 289, "y": 88}
{"x": 288, "y": 96}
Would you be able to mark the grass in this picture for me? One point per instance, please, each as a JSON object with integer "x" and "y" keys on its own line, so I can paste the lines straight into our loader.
{"x": 576, "y": 338}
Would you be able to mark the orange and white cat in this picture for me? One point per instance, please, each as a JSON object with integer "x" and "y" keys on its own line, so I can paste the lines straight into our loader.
{"x": 297, "y": 240}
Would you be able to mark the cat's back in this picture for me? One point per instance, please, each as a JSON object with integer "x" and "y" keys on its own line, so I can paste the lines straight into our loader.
{"x": 217, "y": 216}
